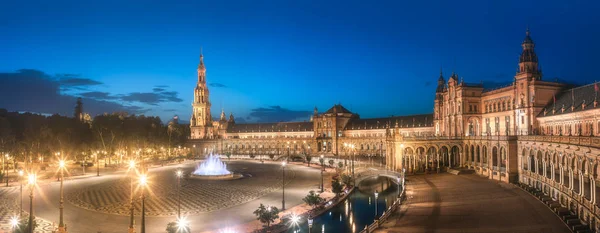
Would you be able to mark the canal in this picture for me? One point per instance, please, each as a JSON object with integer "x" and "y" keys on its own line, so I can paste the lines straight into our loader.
{"x": 357, "y": 211}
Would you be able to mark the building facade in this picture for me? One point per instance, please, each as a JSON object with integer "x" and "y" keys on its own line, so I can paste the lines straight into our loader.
{"x": 530, "y": 131}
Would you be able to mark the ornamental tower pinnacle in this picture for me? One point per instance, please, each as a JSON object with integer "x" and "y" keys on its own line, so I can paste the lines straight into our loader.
{"x": 528, "y": 61}
{"x": 201, "y": 121}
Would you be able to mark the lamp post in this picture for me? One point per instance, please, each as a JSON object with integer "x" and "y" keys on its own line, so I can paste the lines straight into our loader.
{"x": 322, "y": 169}
{"x": 131, "y": 220}
{"x": 61, "y": 224}
{"x": 398, "y": 182}
{"x": 98, "y": 165}
{"x": 21, "y": 193}
{"x": 310, "y": 224}
{"x": 5, "y": 169}
{"x": 376, "y": 195}
{"x": 283, "y": 185}
{"x": 14, "y": 224}
{"x": 353, "y": 158}
{"x": 143, "y": 181}
{"x": 179, "y": 174}
{"x": 32, "y": 180}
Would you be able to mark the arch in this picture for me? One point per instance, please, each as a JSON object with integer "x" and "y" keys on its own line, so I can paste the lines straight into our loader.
{"x": 495, "y": 157}
{"x": 484, "y": 153}
{"x": 524, "y": 160}
{"x": 503, "y": 158}
{"x": 540, "y": 162}
{"x": 478, "y": 154}
{"x": 455, "y": 156}
{"x": 473, "y": 154}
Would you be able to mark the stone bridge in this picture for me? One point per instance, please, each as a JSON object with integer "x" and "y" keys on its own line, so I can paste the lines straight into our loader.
{"x": 367, "y": 173}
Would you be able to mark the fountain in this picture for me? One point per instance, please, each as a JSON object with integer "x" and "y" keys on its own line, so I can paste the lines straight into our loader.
{"x": 213, "y": 169}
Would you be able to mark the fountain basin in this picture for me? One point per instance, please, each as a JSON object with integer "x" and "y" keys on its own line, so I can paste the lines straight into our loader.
{"x": 231, "y": 176}
{"x": 213, "y": 169}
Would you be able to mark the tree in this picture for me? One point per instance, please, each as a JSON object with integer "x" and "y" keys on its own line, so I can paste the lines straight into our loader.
{"x": 331, "y": 162}
{"x": 228, "y": 154}
{"x": 312, "y": 199}
{"x": 266, "y": 215}
{"x": 271, "y": 156}
{"x": 173, "y": 227}
{"x": 23, "y": 226}
{"x": 347, "y": 180}
{"x": 308, "y": 159}
{"x": 336, "y": 186}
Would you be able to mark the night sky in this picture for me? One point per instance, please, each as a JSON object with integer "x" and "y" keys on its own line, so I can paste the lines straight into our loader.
{"x": 277, "y": 60}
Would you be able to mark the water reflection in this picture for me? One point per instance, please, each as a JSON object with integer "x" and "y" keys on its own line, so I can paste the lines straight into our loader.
{"x": 357, "y": 211}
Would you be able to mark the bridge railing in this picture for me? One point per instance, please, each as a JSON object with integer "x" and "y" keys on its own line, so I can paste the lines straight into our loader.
{"x": 377, "y": 223}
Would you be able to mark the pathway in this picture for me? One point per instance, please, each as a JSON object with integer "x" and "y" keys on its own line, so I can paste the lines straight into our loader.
{"x": 469, "y": 203}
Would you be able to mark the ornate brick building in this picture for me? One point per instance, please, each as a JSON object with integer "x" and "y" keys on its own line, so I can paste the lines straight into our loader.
{"x": 530, "y": 131}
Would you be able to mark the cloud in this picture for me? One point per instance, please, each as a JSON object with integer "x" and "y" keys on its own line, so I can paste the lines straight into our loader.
{"x": 152, "y": 98}
{"x": 35, "y": 91}
{"x": 217, "y": 85}
{"x": 158, "y": 89}
{"x": 73, "y": 82}
{"x": 98, "y": 95}
{"x": 277, "y": 113}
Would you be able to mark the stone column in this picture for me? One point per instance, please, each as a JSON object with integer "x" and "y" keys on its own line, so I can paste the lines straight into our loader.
{"x": 581, "y": 185}
{"x": 571, "y": 179}
{"x": 426, "y": 161}
{"x": 545, "y": 169}
{"x": 593, "y": 189}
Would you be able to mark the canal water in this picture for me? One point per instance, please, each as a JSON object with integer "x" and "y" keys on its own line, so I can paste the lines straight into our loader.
{"x": 357, "y": 211}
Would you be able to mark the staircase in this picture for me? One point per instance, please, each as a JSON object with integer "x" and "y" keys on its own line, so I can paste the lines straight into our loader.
{"x": 569, "y": 218}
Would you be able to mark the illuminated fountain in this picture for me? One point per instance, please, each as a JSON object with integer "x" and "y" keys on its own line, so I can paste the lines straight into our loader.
{"x": 213, "y": 169}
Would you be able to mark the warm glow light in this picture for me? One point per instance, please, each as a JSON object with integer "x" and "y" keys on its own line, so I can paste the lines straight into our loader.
{"x": 283, "y": 164}
{"x": 131, "y": 164}
{"x": 179, "y": 173}
{"x": 182, "y": 224}
{"x": 31, "y": 179}
{"x": 20, "y": 172}
{"x": 14, "y": 222}
{"x": 294, "y": 219}
{"x": 61, "y": 164}
{"x": 143, "y": 180}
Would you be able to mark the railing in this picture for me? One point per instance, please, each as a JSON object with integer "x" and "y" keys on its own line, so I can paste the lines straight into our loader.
{"x": 377, "y": 223}
{"x": 491, "y": 137}
{"x": 576, "y": 140}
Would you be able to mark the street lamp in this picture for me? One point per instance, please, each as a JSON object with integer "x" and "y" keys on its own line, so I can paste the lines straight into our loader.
{"x": 353, "y": 157}
{"x": 310, "y": 223}
{"x": 32, "y": 180}
{"x": 143, "y": 183}
{"x": 131, "y": 220}
{"x": 283, "y": 185}
{"x": 98, "y": 165}
{"x": 61, "y": 224}
{"x": 376, "y": 195}
{"x": 398, "y": 183}
{"x": 21, "y": 192}
{"x": 322, "y": 169}
{"x": 5, "y": 168}
{"x": 179, "y": 175}
{"x": 14, "y": 223}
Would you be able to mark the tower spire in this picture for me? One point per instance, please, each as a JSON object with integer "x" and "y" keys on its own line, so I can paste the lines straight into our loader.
{"x": 528, "y": 61}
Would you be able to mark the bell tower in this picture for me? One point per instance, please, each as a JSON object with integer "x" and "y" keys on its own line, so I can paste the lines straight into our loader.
{"x": 527, "y": 74}
{"x": 201, "y": 121}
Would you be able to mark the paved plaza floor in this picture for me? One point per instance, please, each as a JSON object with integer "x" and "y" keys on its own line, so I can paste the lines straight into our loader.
{"x": 101, "y": 204}
{"x": 469, "y": 203}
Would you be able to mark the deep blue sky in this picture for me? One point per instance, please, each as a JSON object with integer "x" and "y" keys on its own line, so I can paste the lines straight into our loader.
{"x": 377, "y": 58}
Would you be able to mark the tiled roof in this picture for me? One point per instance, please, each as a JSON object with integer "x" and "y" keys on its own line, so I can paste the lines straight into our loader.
{"x": 339, "y": 108}
{"x": 422, "y": 120}
{"x": 271, "y": 127}
{"x": 569, "y": 98}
